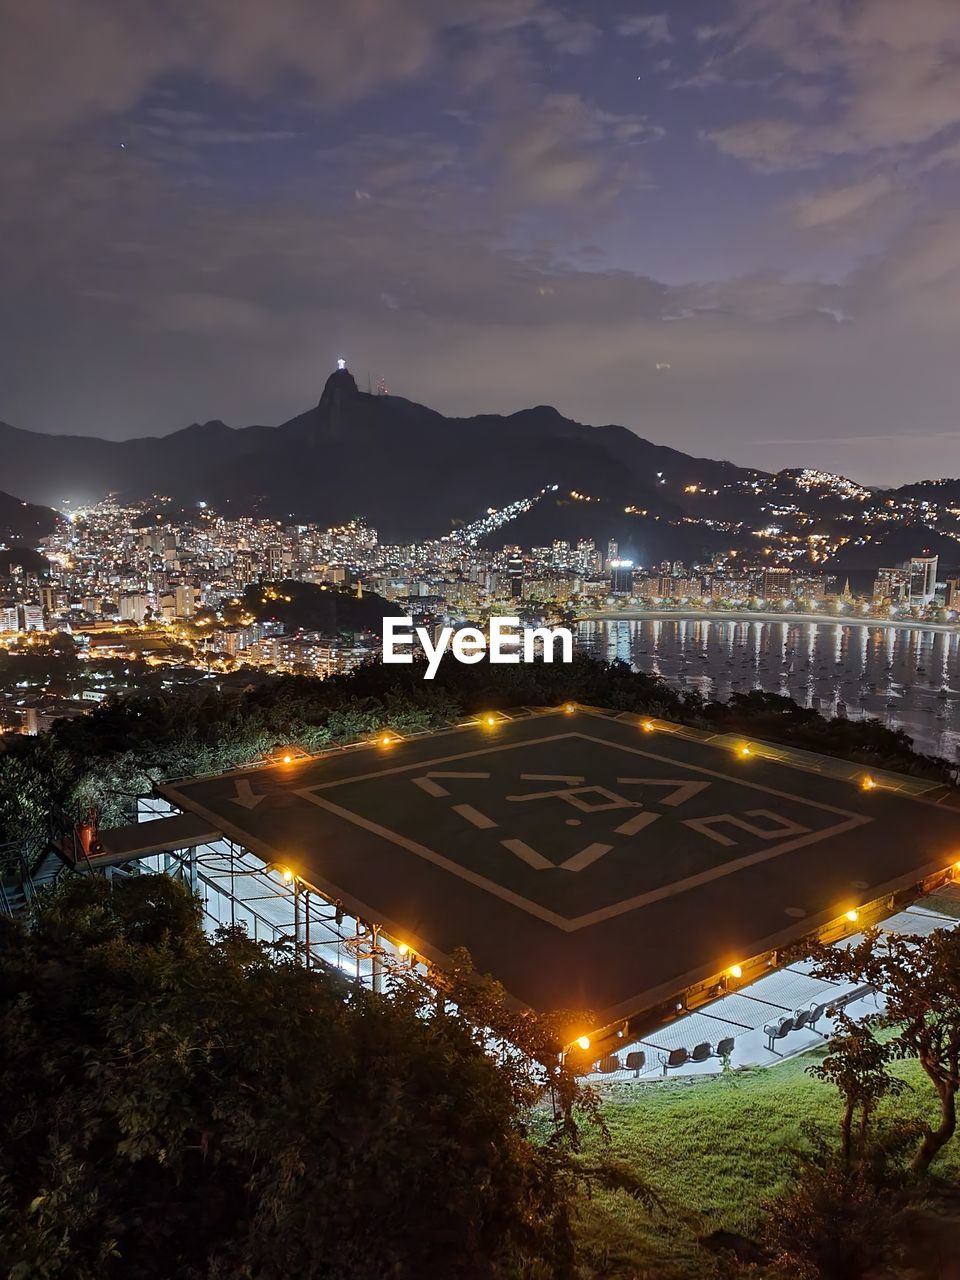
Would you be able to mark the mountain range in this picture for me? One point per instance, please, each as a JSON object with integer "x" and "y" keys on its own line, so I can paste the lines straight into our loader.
{"x": 414, "y": 473}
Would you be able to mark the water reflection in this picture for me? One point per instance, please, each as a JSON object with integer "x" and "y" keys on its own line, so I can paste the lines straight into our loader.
{"x": 909, "y": 678}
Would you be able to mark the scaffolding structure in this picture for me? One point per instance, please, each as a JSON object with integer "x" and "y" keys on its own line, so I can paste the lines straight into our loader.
{"x": 277, "y": 907}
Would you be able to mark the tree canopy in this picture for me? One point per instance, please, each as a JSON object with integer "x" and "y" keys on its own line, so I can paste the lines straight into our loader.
{"x": 920, "y": 981}
{"x": 177, "y": 1106}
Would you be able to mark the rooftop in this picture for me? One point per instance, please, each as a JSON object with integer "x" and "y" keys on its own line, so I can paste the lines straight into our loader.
{"x": 588, "y": 861}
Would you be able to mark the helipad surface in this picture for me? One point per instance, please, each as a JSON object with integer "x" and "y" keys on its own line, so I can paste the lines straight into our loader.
{"x": 583, "y": 862}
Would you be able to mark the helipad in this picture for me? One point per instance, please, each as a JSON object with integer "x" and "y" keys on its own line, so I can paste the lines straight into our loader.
{"x": 583, "y": 861}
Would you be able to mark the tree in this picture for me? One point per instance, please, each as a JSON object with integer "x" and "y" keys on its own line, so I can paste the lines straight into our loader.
{"x": 176, "y": 1106}
{"x": 920, "y": 980}
{"x": 856, "y": 1063}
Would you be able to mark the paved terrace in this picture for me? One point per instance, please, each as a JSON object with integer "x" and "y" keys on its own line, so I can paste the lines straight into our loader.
{"x": 789, "y": 1000}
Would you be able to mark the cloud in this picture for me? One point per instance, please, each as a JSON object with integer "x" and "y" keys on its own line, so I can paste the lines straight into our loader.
{"x": 202, "y": 314}
{"x": 564, "y": 150}
{"x": 886, "y": 73}
{"x": 652, "y": 28}
{"x": 840, "y": 204}
{"x": 767, "y": 145}
{"x": 99, "y": 58}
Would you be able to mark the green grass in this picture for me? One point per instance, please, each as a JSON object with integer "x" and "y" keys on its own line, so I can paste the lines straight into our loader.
{"x": 714, "y": 1150}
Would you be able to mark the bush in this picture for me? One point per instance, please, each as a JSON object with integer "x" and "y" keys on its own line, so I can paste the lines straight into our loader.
{"x": 832, "y": 1224}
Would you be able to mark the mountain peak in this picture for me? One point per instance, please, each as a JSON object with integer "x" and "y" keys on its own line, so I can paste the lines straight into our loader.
{"x": 340, "y": 386}
{"x": 338, "y": 400}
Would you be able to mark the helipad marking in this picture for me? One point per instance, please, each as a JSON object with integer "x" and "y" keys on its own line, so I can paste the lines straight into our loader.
{"x": 570, "y": 778}
{"x": 636, "y": 823}
{"x": 529, "y": 856}
{"x": 245, "y": 796}
{"x": 427, "y": 784}
{"x": 849, "y": 821}
{"x": 574, "y": 796}
{"x": 683, "y": 789}
{"x": 586, "y": 857}
{"x": 474, "y": 816}
{"x": 784, "y": 827}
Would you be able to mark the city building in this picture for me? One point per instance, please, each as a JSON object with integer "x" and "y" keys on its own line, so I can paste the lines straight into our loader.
{"x": 621, "y": 577}
{"x": 923, "y": 579}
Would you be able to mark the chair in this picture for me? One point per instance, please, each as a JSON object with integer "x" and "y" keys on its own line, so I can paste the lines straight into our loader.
{"x": 675, "y": 1058}
{"x": 777, "y": 1031}
{"x": 801, "y": 1019}
{"x": 816, "y": 1013}
{"x": 636, "y": 1061}
{"x": 725, "y": 1047}
{"x": 609, "y": 1063}
{"x": 701, "y": 1052}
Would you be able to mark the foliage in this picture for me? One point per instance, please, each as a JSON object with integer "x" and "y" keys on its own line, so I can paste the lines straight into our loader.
{"x": 311, "y": 607}
{"x": 920, "y": 979}
{"x": 181, "y": 1107}
{"x": 781, "y": 719}
{"x": 833, "y": 1223}
{"x": 856, "y": 1062}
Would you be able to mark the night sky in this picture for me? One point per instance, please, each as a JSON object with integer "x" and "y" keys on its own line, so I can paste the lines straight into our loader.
{"x": 491, "y": 204}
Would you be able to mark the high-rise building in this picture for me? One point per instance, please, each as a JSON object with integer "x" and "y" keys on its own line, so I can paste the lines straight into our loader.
{"x": 274, "y": 560}
{"x": 621, "y": 577}
{"x": 133, "y": 608}
{"x": 777, "y": 584}
{"x": 185, "y": 601}
{"x": 923, "y": 579}
{"x": 952, "y": 596}
{"x": 515, "y": 577}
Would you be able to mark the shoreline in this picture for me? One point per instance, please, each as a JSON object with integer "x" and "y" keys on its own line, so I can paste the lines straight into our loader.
{"x": 740, "y": 615}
